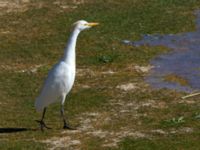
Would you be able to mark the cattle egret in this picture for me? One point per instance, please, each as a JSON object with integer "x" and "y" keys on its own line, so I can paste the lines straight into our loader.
{"x": 61, "y": 77}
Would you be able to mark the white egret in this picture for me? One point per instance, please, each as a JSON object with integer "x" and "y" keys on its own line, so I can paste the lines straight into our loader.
{"x": 61, "y": 77}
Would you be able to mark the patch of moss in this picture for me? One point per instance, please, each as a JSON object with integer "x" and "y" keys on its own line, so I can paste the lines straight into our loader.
{"x": 176, "y": 79}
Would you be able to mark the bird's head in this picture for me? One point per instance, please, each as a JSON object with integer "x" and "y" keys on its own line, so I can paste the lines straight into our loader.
{"x": 82, "y": 25}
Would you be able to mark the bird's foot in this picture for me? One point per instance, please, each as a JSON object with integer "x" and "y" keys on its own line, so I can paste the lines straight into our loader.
{"x": 42, "y": 125}
{"x": 66, "y": 126}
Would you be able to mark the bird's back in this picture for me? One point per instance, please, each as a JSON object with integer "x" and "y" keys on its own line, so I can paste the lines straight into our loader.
{"x": 58, "y": 83}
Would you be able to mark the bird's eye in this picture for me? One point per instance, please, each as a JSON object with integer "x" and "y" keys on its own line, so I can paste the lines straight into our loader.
{"x": 85, "y": 24}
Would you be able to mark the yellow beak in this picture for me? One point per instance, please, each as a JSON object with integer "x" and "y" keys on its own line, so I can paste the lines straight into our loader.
{"x": 92, "y": 24}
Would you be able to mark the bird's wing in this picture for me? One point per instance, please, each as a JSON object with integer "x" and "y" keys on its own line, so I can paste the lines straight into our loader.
{"x": 48, "y": 95}
{"x": 50, "y": 92}
{"x": 56, "y": 84}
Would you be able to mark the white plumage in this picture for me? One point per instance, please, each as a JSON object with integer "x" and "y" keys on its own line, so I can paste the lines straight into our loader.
{"x": 58, "y": 83}
{"x": 61, "y": 77}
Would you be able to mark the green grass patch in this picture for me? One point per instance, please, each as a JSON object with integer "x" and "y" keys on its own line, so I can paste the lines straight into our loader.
{"x": 175, "y": 142}
{"x": 22, "y": 145}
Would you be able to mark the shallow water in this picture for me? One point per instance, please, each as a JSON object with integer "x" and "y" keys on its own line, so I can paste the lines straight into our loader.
{"x": 183, "y": 60}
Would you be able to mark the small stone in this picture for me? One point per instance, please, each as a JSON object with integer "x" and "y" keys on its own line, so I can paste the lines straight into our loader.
{"x": 127, "y": 87}
{"x": 160, "y": 131}
{"x": 25, "y": 1}
{"x": 143, "y": 69}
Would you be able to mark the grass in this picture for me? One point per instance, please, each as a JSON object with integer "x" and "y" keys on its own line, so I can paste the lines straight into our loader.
{"x": 170, "y": 142}
{"x": 38, "y": 36}
{"x": 22, "y": 145}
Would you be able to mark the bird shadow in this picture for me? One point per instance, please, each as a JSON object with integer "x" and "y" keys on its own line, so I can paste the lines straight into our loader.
{"x": 14, "y": 130}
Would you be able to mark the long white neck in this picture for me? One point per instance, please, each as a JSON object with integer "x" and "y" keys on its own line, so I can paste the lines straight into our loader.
{"x": 70, "y": 52}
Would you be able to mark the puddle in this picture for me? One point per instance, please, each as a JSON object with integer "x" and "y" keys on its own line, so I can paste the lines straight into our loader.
{"x": 182, "y": 61}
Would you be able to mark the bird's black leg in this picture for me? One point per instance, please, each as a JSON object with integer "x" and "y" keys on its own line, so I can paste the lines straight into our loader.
{"x": 66, "y": 125}
{"x": 41, "y": 122}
